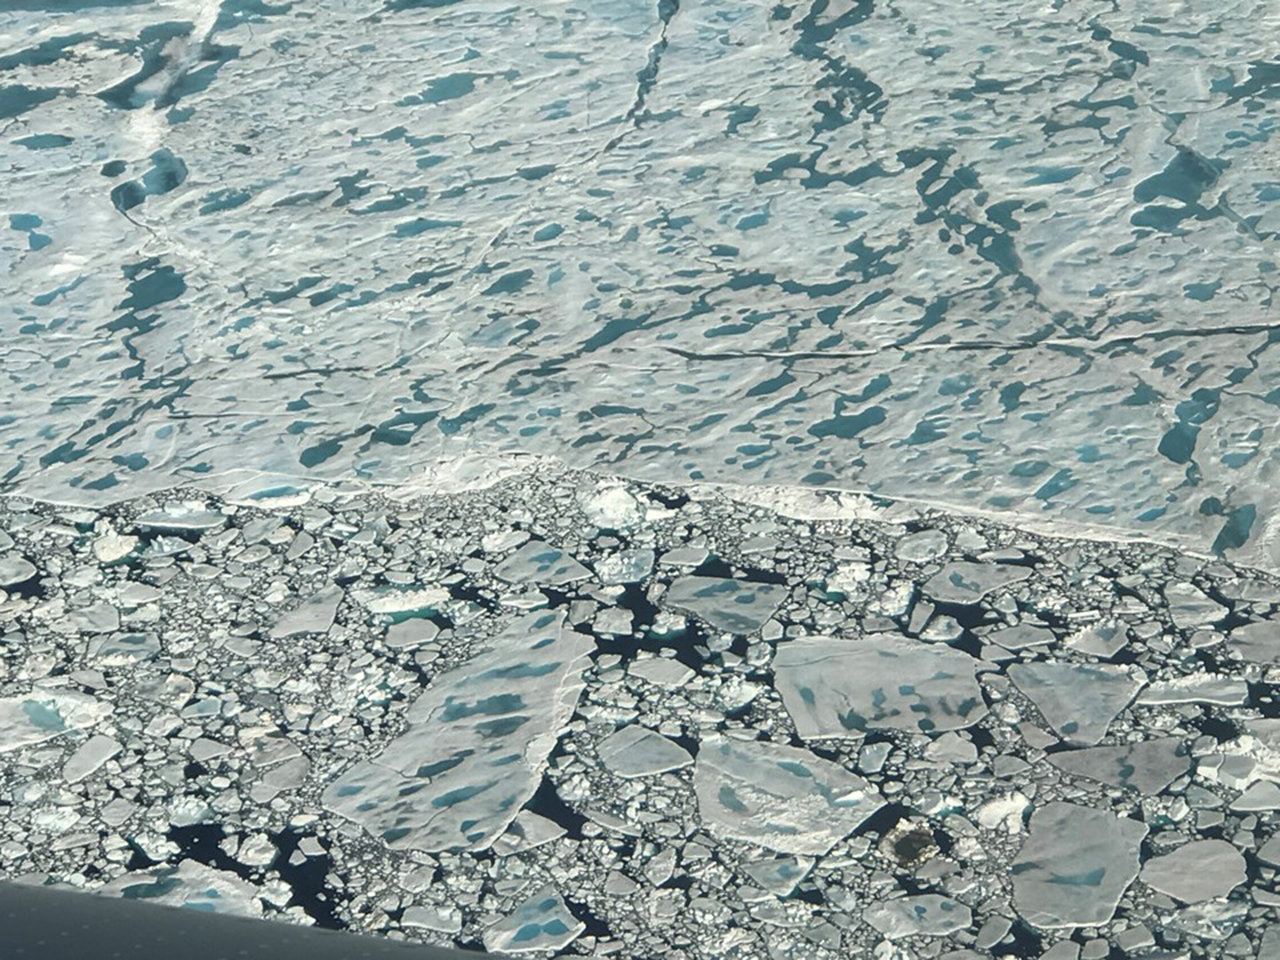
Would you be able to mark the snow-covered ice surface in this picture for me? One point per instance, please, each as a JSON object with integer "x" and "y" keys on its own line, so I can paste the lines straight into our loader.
{"x": 1017, "y": 258}
{"x": 681, "y": 479}
{"x": 385, "y": 710}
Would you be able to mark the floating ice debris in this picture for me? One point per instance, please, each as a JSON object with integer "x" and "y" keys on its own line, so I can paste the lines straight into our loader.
{"x": 192, "y": 885}
{"x": 612, "y": 507}
{"x": 921, "y": 547}
{"x": 1190, "y": 607}
{"x": 539, "y": 562}
{"x": 1148, "y": 766}
{"x": 663, "y": 671}
{"x": 1022, "y": 636}
{"x": 111, "y": 545}
{"x": 15, "y": 569}
{"x": 1195, "y": 871}
{"x": 314, "y": 615}
{"x": 635, "y": 751}
{"x": 1104, "y": 639}
{"x": 396, "y": 599}
{"x": 736, "y": 606}
{"x": 1263, "y": 795}
{"x": 542, "y": 922}
{"x": 477, "y": 740}
{"x": 526, "y": 832}
{"x": 1075, "y": 865}
{"x": 627, "y": 566}
{"x": 779, "y": 797}
{"x": 1257, "y": 642}
{"x": 925, "y": 914}
{"x": 779, "y": 875}
{"x": 119, "y": 649}
{"x": 442, "y": 918}
{"x": 44, "y": 714}
{"x": 186, "y": 517}
{"x": 1078, "y": 700}
{"x": 963, "y": 581}
{"x": 833, "y": 687}
{"x": 1196, "y": 688}
{"x": 89, "y": 756}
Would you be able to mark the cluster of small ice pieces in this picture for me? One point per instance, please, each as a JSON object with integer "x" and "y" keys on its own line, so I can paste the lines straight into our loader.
{"x": 575, "y": 715}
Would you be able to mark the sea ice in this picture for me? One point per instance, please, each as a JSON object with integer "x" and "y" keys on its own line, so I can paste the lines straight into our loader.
{"x": 1078, "y": 700}
{"x": 736, "y": 606}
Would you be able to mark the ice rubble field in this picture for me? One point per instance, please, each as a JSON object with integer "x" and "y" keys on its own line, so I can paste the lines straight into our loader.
{"x": 1016, "y": 257}
{"x": 930, "y": 611}
{"x": 572, "y": 716}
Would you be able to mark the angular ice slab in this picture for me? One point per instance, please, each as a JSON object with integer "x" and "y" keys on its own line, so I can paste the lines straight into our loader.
{"x": 542, "y": 922}
{"x": 314, "y": 615}
{"x": 1079, "y": 700}
{"x": 833, "y": 687}
{"x": 476, "y": 743}
{"x": 779, "y": 797}
{"x": 967, "y": 582}
{"x": 635, "y": 751}
{"x": 44, "y": 714}
{"x": 736, "y": 606}
{"x": 15, "y": 569}
{"x": 539, "y": 562}
{"x": 1075, "y": 865}
{"x": 1148, "y": 765}
{"x": 1196, "y": 871}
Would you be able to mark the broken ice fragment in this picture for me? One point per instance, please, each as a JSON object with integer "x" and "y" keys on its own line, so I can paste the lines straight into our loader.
{"x": 313, "y": 615}
{"x": 921, "y": 547}
{"x": 779, "y": 876}
{"x": 477, "y": 739}
{"x": 527, "y": 831}
{"x": 1147, "y": 765}
{"x": 189, "y": 884}
{"x": 539, "y": 562}
{"x": 542, "y": 922}
{"x": 1104, "y": 639}
{"x": 1078, "y": 700}
{"x": 1257, "y": 642}
{"x": 635, "y": 751}
{"x": 44, "y": 714}
{"x": 1022, "y": 636}
{"x": 1189, "y": 607}
{"x": 926, "y": 914}
{"x": 735, "y": 606}
{"x": 1196, "y": 688}
{"x": 1075, "y": 865}
{"x": 628, "y": 566}
{"x": 779, "y": 797}
{"x": 833, "y": 687}
{"x": 15, "y": 569}
{"x": 663, "y": 671}
{"x": 1263, "y": 795}
{"x": 89, "y": 756}
{"x": 967, "y": 582}
{"x": 394, "y": 599}
{"x": 1195, "y": 871}
{"x": 120, "y": 649}
{"x": 185, "y": 517}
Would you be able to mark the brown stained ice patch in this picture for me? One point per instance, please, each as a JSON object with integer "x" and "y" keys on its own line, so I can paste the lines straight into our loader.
{"x": 1075, "y": 865}
{"x": 1078, "y": 700}
{"x": 477, "y": 739}
{"x": 968, "y": 582}
{"x": 736, "y": 606}
{"x": 779, "y": 797}
{"x": 1196, "y": 871}
{"x": 1147, "y": 766}
{"x": 834, "y": 687}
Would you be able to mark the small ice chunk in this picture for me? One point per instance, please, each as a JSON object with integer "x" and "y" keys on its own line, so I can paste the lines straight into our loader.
{"x": 543, "y": 922}
{"x": 779, "y": 797}
{"x": 1196, "y": 688}
{"x": 635, "y": 751}
{"x": 1078, "y": 700}
{"x": 1147, "y": 765}
{"x": 1075, "y": 865}
{"x": 1263, "y": 795}
{"x": 15, "y": 569}
{"x": 1104, "y": 639}
{"x": 313, "y": 615}
{"x": 964, "y": 581}
{"x": 663, "y": 671}
{"x": 736, "y": 606}
{"x": 122, "y": 649}
{"x": 182, "y": 517}
{"x": 921, "y": 547}
{"x": 89, "y": 756}
{"x": 1257, "y": 642}
{"x": 394, "y": 599}
{"x": 189, "y": 884}
{"x": 442, "y": 918}
{"x": 612, "y": 507}
{"x": 925, "y": 915}
{"x": 833, "y": 687}
{"x": 1196, "y": 871}
{"x": 626, "y": 566}
{"x": 1022, "y": 636}
{"x": 1269, "y": 852}
{"x": 539, "y": 562}
{"x": 411, "y": 633}
{"x": 779, "y": 875}
{"x": 1189, "y": 607}
{"x": 527, "y": 831}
